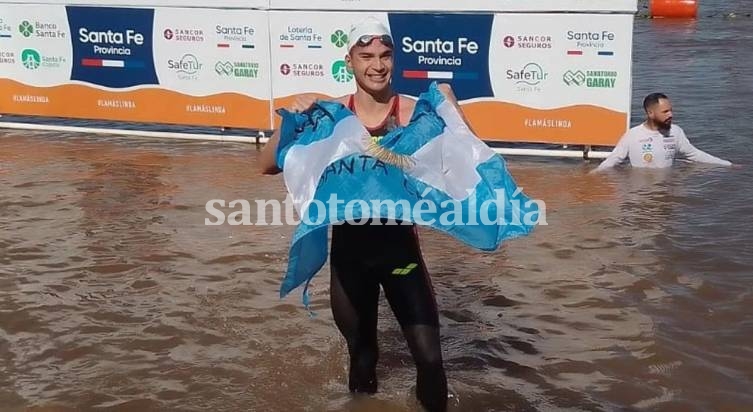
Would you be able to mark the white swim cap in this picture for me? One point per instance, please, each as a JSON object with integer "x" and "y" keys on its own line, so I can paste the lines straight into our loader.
{"x": 366, "y": 30}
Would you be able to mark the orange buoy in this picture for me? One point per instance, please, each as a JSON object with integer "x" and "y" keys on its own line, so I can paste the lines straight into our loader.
{"x": 674, "y": 9}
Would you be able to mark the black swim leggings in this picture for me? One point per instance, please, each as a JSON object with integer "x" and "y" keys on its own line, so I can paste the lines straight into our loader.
{"x": 395, "y": 263}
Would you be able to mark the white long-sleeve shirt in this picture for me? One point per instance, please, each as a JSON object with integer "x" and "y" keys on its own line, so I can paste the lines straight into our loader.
{"x": 649, "y": 148}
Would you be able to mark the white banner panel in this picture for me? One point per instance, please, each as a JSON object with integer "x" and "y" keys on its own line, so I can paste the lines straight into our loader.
{"x": 241, "y": 4}
{"x": 203, "y": 52}
{"x": 541, "y": 60}
{"x": 623, "y": 6}
{"x": 207, "y": 67}
{"x": 308, "y": 51}
{"x": 35, "y": 44}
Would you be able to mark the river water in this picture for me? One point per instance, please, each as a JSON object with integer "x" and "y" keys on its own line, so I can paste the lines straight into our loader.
{"x": 637, "y": 295}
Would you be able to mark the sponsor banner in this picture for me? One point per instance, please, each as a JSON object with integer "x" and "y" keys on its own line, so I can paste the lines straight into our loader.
{"x": 180, "y": 66}
{"x": 35, "y": 44}
{"x": 442, "y": 47}
{"x": 308, "y": 54}
{"x": 112, "y": 47}
{"x": 623, "y": 6}
{"x": 516, "y": 75}
{"x": 216, "y": 53}
{"x": 561, "y": 78}
{"x": 520, "y": 77}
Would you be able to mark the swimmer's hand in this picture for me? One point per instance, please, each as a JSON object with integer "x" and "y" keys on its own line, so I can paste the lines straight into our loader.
{"x": 447, "y": 92}
{"x": 303, "y": 102}
{"x": 267, "y": 159}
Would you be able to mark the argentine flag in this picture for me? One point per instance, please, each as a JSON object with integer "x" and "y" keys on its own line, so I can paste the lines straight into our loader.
{"x": 432, "y": 172}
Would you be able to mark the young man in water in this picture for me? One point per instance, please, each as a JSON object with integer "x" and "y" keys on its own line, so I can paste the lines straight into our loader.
{"x": 656, "y": 142}
{"x": 365, "y": 257}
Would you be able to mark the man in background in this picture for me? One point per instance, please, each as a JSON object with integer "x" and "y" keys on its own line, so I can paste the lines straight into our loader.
{"x": 656, "y": 142}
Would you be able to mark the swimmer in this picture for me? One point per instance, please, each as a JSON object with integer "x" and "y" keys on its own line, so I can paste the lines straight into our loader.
{"x": 364, "y": 258}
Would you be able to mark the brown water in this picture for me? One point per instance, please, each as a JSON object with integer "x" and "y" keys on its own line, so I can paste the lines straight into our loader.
{"x": 638, "y": 295}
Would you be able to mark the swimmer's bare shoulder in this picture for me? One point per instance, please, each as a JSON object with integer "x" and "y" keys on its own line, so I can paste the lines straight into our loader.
{"x": 407, "y": 106}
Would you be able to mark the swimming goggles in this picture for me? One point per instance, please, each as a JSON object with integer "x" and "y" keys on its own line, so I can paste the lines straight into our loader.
{"x": 366, "y": 40}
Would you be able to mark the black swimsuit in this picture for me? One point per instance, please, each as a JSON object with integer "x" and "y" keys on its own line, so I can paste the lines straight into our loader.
{"x": 366, "y": 256}
{"x": 363, "y": 257}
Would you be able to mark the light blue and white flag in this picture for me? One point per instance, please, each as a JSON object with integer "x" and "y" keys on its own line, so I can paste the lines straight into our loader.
{"x": 432, "y": 172}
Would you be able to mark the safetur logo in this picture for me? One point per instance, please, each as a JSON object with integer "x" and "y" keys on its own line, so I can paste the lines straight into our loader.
{"x": 31, "y": 59}
{"x": 532, "y": 74}
{"x": 187, "y": 68}
{"x": 339, "y": 39}
{"x": 340, "y": 72}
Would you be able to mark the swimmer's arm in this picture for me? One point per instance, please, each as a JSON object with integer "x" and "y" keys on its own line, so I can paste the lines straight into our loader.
{"x": 618, "y": 155}
{"x": 695, "y": 154}
{"x": 267, "y": 160}
{"x": 446, "y": 90}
